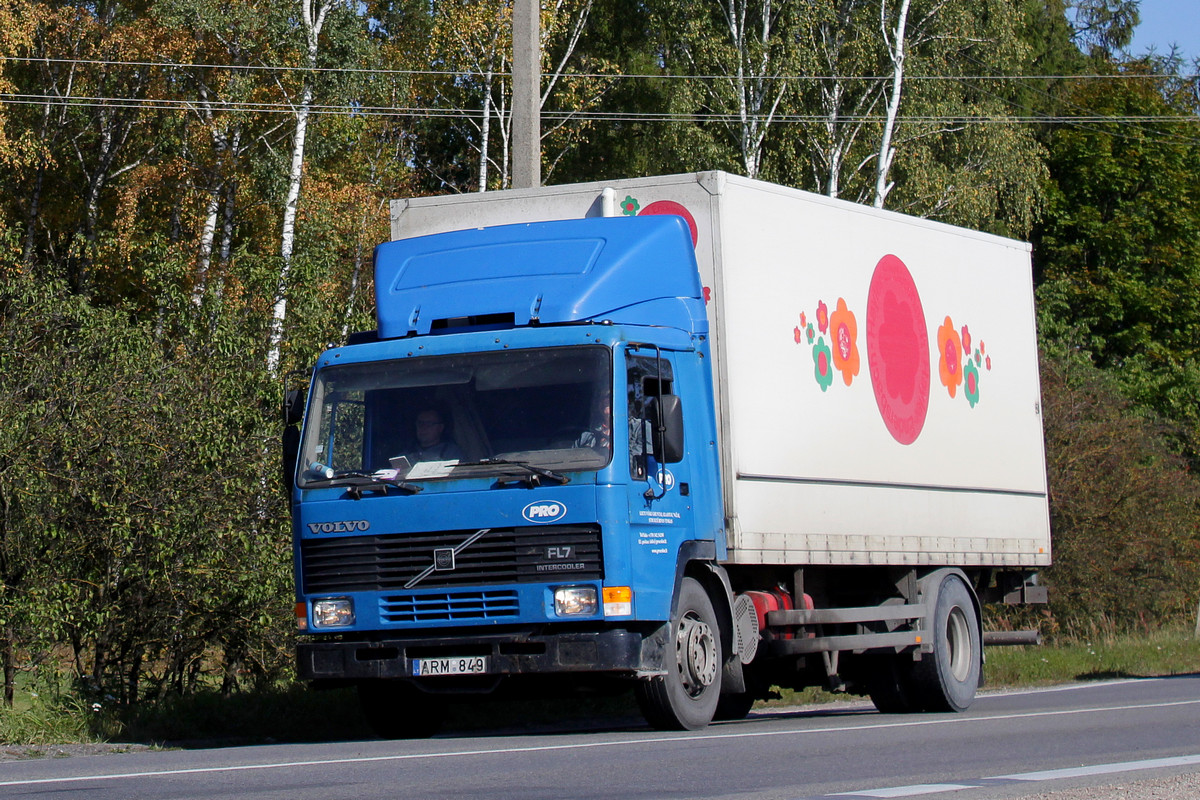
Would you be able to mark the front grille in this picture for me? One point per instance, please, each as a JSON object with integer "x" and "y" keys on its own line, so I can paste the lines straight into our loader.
{"x": 502, "y": 555}
{"x": 448, "y": 606}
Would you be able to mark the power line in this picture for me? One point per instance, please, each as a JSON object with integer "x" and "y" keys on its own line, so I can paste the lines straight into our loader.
{"x": 606, "y": 75}
{"x": 355, "y": 110}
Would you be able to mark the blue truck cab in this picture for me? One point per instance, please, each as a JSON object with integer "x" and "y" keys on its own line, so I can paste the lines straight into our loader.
{"x": 569, "y": 521}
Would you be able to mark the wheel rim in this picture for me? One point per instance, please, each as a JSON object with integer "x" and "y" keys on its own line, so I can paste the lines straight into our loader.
{"x": 696, "y": 650}
{"x": 958, "y": 643}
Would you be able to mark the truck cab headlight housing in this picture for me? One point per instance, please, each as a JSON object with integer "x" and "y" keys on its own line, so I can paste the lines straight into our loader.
{"x": 575, "y": 601}
{"x": 333, "y": 612}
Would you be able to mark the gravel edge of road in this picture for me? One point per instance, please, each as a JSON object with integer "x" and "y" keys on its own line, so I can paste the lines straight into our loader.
{"x": 1175, "y": 787}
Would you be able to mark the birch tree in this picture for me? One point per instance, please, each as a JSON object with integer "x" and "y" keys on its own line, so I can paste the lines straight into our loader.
{"x": 473, "y": 39}
{"x": 233, "y": 36}
{"x": 935, "y": 144}
{"x": 894, "y": 41}
{"x": 334, "y": 33}
{"x": 742, "y": 53}
{"x": 955, "y": 154}
{"x": 312, "y": 19}
{"x": 844, "y": 93}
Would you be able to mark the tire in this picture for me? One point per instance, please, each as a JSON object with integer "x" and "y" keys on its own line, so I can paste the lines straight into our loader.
{"x": 397, "y": 710}
{"x": 734, "y": 706}
{"x": 686, "y": 697}
{"x": 890, "y": 684}
{"x": 947, "y": 678}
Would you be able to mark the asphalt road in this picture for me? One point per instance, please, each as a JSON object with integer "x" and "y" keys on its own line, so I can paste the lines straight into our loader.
{"x": 1007, "y": 746}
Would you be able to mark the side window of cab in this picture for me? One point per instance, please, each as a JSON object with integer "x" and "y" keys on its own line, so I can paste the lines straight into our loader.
{"x": 642, "y": 385}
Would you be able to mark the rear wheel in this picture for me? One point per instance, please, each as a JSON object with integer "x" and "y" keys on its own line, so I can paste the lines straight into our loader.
{"x": 947, "y": 678}
{"x": 737, "y": 706}
{"x": 397, "y": 710}
{"x": 890, "y": 684}
{"x": 734, "y": 706}
{"x": 686, "y": 697}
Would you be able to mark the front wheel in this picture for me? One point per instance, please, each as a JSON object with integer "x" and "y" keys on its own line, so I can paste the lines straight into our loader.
{"x": 686, "y": 697}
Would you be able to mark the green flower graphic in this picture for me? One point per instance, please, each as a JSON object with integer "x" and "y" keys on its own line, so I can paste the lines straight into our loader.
{"x": 630, "y": 206}
{"x": 971, "y": 382}
{"x": 823, "y": 364}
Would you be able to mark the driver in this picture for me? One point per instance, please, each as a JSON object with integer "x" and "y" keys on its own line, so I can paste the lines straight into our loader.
{"x": 431, "y": 444}
{"x": 599, "y": 435}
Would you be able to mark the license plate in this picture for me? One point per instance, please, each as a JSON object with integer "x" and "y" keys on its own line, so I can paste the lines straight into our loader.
{"x": 463, "y": 665}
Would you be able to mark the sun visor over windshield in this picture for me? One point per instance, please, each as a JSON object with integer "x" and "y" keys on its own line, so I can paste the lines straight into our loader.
{"x": 634, "y": 270}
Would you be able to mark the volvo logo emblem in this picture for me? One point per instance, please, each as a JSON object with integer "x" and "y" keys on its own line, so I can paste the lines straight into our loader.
{"x": 344, "y": 526}
{"x": 443, "y": 559}
{"x": 544, "y": 512}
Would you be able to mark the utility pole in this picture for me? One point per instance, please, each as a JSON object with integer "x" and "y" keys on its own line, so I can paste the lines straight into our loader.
{"x": 527, "y": 94}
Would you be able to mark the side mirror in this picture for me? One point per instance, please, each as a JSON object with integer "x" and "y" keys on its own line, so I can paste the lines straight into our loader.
{"x": 291, "y": 454}
{"x": 293, "y": 407}
{"x": 666, "y": 424}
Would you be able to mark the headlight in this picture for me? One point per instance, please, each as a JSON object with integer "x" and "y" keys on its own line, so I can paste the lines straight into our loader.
{"x": 336, "y": 612}
{"x": 575, "y": 601}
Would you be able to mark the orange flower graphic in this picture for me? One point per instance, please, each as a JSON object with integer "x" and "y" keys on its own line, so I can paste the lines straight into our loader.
{"x": 950, "y": 368}
{"x": 844, "y": 335}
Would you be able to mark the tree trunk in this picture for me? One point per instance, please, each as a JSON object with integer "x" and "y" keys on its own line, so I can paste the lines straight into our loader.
{"x": 10, "y": 670}
{"x": 485, "y": 126}
{"x": 896, "y": 51}
{"x": 288, "y": 238}
{"x": 205, "y": 250}
{"x": 313, "y": 19}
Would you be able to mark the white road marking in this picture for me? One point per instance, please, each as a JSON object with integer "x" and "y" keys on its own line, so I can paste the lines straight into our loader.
{"x": 1103, "y": 769}
{"x": 952, "y": 720}
{"x": 909, "y": 791}
{"x": 1044, "y": 775}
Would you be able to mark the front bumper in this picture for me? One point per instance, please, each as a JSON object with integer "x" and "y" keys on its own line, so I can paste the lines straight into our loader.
{"x": 616, "y": 651}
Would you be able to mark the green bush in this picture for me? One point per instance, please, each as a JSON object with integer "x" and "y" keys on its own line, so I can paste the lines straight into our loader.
{"x": 1123, "y": 508}
{"x": 143, "y": 542}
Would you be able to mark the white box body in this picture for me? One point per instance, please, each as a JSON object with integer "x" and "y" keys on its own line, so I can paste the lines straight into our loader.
{"x": 815, "y": 469}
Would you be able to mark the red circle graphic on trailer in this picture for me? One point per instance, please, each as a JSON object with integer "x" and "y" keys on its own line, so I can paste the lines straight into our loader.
{"x": 671, "y": 207}
{"x": 898, "y": 349}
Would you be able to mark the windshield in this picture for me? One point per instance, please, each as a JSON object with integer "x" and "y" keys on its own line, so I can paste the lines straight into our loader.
{"x": 459, "y": 416}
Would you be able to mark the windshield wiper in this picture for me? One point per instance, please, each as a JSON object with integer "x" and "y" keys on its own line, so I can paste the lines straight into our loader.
{"x": 362, "y": 481}
{"x": 533, "y": 474}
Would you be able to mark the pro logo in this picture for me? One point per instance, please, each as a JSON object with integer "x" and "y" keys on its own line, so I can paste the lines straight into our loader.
{"x": 666, "y": 478}
{"x": 544, "y": 512}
